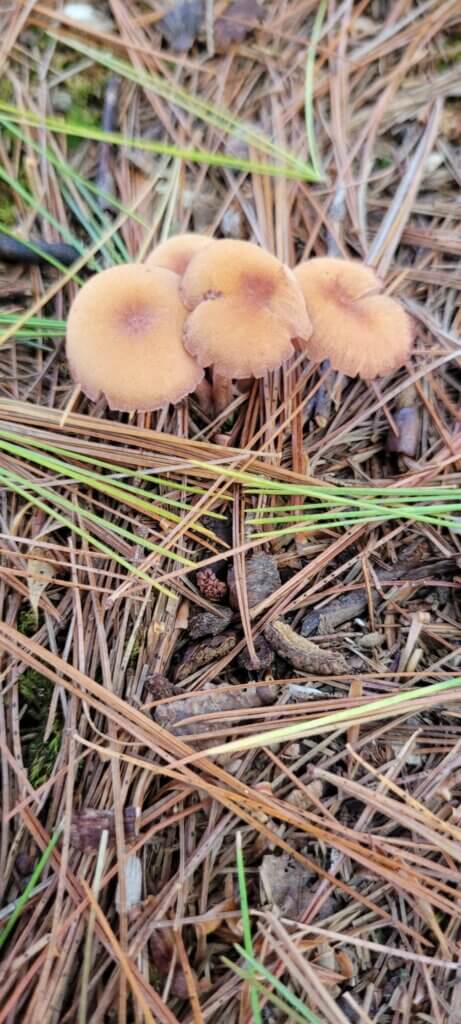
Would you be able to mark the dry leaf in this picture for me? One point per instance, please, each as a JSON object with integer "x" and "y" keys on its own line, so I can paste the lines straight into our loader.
{"x": 286, "y": 884}
{"x": 39, "y": 574}
{"x": 214, "y": 918}
{"x": 238, "y": 20}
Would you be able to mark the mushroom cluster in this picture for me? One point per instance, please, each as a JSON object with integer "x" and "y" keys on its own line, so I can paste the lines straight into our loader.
{"x": 143, "y": 335}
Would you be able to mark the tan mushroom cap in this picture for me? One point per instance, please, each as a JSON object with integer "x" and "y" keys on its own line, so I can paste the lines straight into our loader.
{"x": 246, "y": 307}
{"x": 124, "y": 336}
{"x": 362, "y": 332}
{"x": 176, "y": 253}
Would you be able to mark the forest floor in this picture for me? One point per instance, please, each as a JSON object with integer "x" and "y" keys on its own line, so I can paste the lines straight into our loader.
{"x": 309, "y": 871}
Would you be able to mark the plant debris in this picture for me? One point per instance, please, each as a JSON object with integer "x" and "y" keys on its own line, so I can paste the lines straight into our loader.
{"x": 208, "y": 623}
{"x": 302, "y": 653}
{"x": 262, "y": 579}
{"x": 181, "y": 26}
{"x": 88, "y": 825}
{"x": 239, "y": 19}
{"x": 208, "y": 702}
{"x": 286, "y": 885}
{"x": 12, "y": 250}
{"x": 196, "y": 656}
{"x": 340, "y": 610}
{"x": 326, "y": 824}
{"x": 210, "y": 586}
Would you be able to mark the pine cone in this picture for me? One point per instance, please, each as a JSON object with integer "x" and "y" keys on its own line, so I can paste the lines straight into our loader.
{"x": 209, "y": 585}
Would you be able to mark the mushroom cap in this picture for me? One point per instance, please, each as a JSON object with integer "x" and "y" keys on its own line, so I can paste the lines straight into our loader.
{"x": 176, "y": 252}
{"x": 245, "y": 305}
{"x": 124, "y": 336}
{"x": 362, "y": 332}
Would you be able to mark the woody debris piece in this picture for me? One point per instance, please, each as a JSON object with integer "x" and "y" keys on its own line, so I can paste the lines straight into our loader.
{"x": 196, "y": 656}
{"x": 302, "y": 653}
{"x": 208, "y": 623}
{"x": 206, "y": 702}
{"x": 262, "y": 579}
{"x": 87, "y": 826}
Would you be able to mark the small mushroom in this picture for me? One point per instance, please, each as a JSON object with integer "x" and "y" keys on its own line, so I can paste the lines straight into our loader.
{"x": 124, "y": 339}
{"x": 361, "y": 331}
{"x": 176, "y": 252}
{"x": 245, "y": 309}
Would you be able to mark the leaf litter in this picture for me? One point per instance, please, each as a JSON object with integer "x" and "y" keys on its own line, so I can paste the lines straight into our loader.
{"x": 128, "y": 648}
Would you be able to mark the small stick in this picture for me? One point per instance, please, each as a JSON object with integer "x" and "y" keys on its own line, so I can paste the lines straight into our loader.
{"x": 13, "y": 251}
{"x": 104, "y": 177}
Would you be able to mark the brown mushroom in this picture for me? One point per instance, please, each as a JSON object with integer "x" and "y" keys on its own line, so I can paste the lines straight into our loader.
{"x": 245, "y": 309}
{"x": 176, "y": 252}
{"x": 361, "y": 331}
{"x": 124, "y": 339}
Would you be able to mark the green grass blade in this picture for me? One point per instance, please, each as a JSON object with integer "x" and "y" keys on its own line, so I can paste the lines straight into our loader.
{"x": 125, "y": 493}
{"x": 66, "y": 171}
{"x": 290, "y": 1013}
{"x": 27, "y": 490}
{"x": 248, "y": 942}
{"x": 114, "y": 467}
{"x": 288, "y": 995}
{"x": 195, "y": 105}
{"x": 34, "y": 878}
{"x": 396, "y": 702}
{"x": 199, "y": 156}
{"x": 103, "y": 523}
{"x": 309, "y": 91}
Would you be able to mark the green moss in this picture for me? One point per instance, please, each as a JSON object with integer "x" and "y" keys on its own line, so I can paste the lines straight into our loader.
{"x": 35, "y": 693}
{"x": 7, "y": 209}
{"x": 87, "y": 116}
{"x": 41, "y": 756}
{"x": 137, "y": 646}
{"x": 6, "y": 90}
{"x": 27, "y": 622}
{"x": 87, "y": 86}
{"x": 382, "y": 162}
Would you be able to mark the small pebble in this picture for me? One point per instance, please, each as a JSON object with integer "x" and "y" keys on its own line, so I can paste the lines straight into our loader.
{"x": 371, "y": 640}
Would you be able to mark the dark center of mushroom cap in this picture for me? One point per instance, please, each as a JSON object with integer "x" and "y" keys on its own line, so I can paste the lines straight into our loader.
{"x": 135, "y": 318}
{"x": 257, "y": 287}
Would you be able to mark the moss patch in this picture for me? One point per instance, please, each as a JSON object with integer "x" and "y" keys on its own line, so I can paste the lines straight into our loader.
{"x": 35, "y": 693}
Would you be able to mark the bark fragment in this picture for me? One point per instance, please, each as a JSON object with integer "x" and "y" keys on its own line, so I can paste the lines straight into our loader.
{"x": 302, "y": 653}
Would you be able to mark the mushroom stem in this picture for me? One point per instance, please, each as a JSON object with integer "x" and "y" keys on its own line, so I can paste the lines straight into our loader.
{"x": 221, "y": 391}
{"x": 204, "y": 396}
